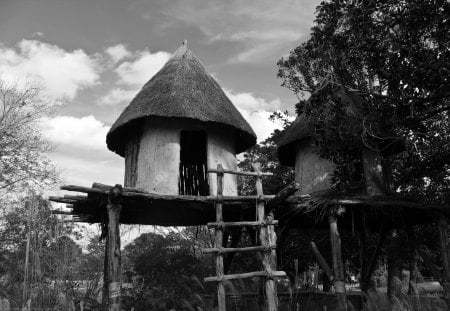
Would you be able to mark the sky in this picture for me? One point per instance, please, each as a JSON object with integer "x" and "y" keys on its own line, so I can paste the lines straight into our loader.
{"x": 92, "y": 57}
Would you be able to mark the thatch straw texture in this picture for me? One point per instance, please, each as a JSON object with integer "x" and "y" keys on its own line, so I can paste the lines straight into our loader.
{"x": 181, "y": 89}
{"x": 298, "y": 132}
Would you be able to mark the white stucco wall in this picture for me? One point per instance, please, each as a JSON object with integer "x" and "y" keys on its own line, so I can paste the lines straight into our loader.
{"x": 159, "y": 156}
{"x": 221, "y": 150}
{"x": 312, "y": 171}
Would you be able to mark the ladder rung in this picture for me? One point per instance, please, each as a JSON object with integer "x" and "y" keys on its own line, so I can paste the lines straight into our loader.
{"x": 239, "y": 250}
{"x": 242, "y": 224}
{"x": 238, "y": 172}
{"x": 245, "y": 276}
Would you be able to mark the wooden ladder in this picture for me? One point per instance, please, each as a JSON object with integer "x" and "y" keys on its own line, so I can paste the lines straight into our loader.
{"x": 267, "y": 237}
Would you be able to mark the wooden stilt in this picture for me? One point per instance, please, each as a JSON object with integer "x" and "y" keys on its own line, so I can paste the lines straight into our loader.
{"x": 322, "y": 262}
{"x": 269, "y": 284}
{"x": 219, "y": 241}
{"x": 338, "y": 265}
{"x": 113, "y": 249}
{"x": 395, "y": 266}
{"x": 443, "y": 241}
{"x": 105, "y": 293}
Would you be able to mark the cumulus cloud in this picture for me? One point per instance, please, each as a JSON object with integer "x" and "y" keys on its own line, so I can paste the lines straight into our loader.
{"x": 132, "y": 74}
{"x": 117, "y": 96}
{"x": 117, "y": 52}
{"x": 261, "y": 30}
{"x": 63, "y": 73}
{"x": 142, "y": 68}
{"x": 86, "y": 132}
{"x": 256, "y": 111}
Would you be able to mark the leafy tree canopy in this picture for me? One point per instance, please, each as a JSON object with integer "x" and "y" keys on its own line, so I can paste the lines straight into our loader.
{"x": 396, "y": 56}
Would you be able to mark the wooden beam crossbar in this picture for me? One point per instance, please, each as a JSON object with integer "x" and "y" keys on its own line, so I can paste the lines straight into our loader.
{"x": 245, "y": 276}
{"x": 242, "y": 224}
{"x": 223, "y": 250}
{"x": 242, "y": 173}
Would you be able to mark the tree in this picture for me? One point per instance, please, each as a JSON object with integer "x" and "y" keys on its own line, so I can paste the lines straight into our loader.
{"x": 23, "y": 164}
{"x": 34, "y": 238}
{"x": 396, "y": 55}
{"x": 265, "y": 153}
{"x": 166, "y": 264}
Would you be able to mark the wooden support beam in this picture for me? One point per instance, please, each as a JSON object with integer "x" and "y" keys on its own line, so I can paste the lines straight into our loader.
{"x": 245, "y": 276}
{"x": 222, "y": 250}
{"x": 242, "y": 173}
{"x": 338, "y": 265}
{"x": 114, "y": 256}
{"x": 242, "y": 224}
{"x": 61, "y": 200}
{"x": 322, "y": 262}
{"x": 281, "y": 196}
{"x": 219, "y": 241}
{"x": 269, "y": 283}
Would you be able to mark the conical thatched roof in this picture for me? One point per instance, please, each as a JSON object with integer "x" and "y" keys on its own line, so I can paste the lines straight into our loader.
{"x": 302, "y": 129}
{"x": 181, "y": 89}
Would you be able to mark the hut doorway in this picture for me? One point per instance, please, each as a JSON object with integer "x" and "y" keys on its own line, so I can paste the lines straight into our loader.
{"x": 193, "y": 175}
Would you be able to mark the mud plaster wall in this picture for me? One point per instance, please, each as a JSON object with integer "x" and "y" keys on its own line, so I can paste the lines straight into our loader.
{"x": 221, "y": 150}
{"x": 159, "y": 155}
{"x": 312, "y": 171}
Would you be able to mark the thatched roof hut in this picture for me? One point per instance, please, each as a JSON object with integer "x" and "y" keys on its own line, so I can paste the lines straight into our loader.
{"x": 178, "y": 126}
{"x": 297, "y": 148}
{"x": 182, "y": 89}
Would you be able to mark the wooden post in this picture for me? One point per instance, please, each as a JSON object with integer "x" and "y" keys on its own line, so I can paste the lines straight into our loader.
{"x": 395, "y": 266}
{"x": 105, "y": 293}
{"x": 443, "y": 241}
{"x": 269, "y": 284}
{"x": 219, "y": 241}
{"x": 113, "y": 247}
{"x": 322, "y": 262}
{"x": 338, "y": 265}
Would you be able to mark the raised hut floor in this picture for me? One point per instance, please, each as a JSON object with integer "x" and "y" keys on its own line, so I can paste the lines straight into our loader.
{"x": 140, "y": 207}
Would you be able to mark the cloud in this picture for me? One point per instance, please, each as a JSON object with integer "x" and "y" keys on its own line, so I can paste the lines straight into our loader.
{"x": 117, "y": 52}
{"x": 85, "y": 133}
{"x": 256, "y": 111}
{"x": 62, "y": 73}
{"x": 117, "y": 96}
{"x": 142, "y": 68}
{"x": 261, "y": 29}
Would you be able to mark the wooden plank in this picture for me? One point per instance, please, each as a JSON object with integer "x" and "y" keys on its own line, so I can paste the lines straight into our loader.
{"x": 114, "y": 256}
{"x": 219, "y": 241}
{"x": 269, "y": 283}
{"x": 61, "y": 200}
{"x": 338, "y": 265}
{"x": 245, "y": 276}
{"x": 242, "y": 173}
{"x": 250, "y": 249}
{"x": 242, "y": 224}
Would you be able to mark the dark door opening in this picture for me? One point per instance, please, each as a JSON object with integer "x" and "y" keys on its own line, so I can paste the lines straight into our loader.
{"x": 193, "y": 175}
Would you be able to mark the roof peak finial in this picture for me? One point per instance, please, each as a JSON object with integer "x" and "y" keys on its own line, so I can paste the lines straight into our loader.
{"x": 185, "y": 43}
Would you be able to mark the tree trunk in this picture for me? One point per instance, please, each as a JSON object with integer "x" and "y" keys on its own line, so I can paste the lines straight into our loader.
{"x": 395, "y": 266}
{"x": 413, "y": 274}
{"x": 338, "y": 265}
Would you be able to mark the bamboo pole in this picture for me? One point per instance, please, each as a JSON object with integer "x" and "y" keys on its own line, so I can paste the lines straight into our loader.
{"x": 219, "y": 241}
{"x": 269, "y": 283}
{"x": 338, "y": 266}
{"x": 223, "y": 250}
{"x": 245, "y": 275}
{"x": 114, "y": 255}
